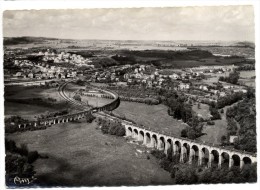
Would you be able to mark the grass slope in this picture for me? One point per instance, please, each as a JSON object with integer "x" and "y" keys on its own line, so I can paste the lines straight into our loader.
{"x": 80, "y": 155}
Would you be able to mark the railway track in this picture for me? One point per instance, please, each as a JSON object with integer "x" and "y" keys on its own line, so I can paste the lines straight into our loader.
{"x": 75, "y": 103}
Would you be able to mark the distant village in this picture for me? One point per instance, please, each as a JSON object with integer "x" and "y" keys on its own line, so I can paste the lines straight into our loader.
{"x": 189, "y": 80}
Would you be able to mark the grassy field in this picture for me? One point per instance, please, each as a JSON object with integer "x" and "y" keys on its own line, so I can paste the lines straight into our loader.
{"x": 214, "y": 77}
{"x": 17, "y": 92}
{"x": 157, "y": 119}
{"x": 153, "y": 116}
{"x": 95, "y": 101}
{"x": 247, "y": 82}
{"x": 245, "y": 78}
{"x": 28, "y": 111}
{"x": 215, "y": 132}
{"x": 247, "y": 74}
{"x": 80, "y": 155}
{"x": 203, "y": 111}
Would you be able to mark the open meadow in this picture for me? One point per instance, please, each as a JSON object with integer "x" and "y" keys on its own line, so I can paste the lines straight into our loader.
{"x": 18, "y": 92}
{"x": 202, "y": 110}
{"x": 80, "y": 155}
{"x": 247, "y": 78}
{"x": 28, "y": 110}
{"x": 153, "y": 116}
{"x": 247, "y": 74}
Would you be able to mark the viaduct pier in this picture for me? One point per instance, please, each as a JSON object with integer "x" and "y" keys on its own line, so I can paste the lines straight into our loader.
{"x": 188, "y": 151}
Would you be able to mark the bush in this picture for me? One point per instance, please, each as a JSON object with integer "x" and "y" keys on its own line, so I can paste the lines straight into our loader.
{"x": 210, "y": 122}
{"x": 80, "y": 82}
{"x": 77, "y": 97}
{"x": 90, "y": 118}
{"x": 112, "y": 127}
{"x": 32, "y": 156}
{"x": 18, "y": 162}
{"x": 158, "y": 154}
{"x": 223, "y": 140}
{"x": 184, "y": 133}
{"x": 117, "y": 130}
{"x": 214, "y": 112}
{"x": 23, "y": 150}
{"x": 10, "y": 145}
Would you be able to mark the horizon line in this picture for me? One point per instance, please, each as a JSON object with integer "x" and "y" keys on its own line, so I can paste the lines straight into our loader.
{"x": 125, "y": 40}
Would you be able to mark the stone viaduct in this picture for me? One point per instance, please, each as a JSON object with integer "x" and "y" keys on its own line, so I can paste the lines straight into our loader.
{"x": 189, "y": 150}
{"x": 186, "y": 150}
{"x": 75, "y": 116}
{"x": 29, "y": 83}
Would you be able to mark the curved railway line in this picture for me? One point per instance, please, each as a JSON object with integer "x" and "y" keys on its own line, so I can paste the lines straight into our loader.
{"x": 68, "y": 99}
{"x": 139, "y": 132}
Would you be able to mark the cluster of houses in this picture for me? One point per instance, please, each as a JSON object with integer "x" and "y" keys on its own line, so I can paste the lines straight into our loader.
{"x": 136, "y": 74}
{"x": 31, "y": 70}
{"x": 145, "y": 75}
{"x": 66, "y": 58}
{"x": 149, "y": 76}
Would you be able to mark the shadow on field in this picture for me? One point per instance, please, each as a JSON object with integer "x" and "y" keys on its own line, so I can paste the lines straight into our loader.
{"x": 65, "y": 174}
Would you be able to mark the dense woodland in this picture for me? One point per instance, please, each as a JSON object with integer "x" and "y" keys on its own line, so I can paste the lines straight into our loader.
{"x": 18, "y": 162}
{"x": 229, "y": 100}
{"x": 244, "y": 113}
{"x": 179, "y": 108}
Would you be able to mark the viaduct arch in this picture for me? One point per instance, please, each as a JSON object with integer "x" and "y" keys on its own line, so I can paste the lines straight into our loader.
{"x": 76, "y": 116}
{"x": 189, "y": 151}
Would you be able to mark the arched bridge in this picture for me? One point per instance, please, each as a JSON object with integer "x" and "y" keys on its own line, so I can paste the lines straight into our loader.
{"x": 189, "y": 150}
{"x": 79, "y": 115}
{"x": 186, "y": 150}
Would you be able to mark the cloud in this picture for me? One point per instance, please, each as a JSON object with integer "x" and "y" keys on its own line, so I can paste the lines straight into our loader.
{"x": 178, "y": 23}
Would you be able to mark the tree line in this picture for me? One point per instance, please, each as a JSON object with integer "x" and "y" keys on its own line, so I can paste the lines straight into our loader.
{"x": 180, "y": 108}
{"x": 244, "y": 113}
{"x": 232, "y": 78}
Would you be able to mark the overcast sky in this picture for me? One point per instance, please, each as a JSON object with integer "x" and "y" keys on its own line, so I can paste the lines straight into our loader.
{"x": 186, "y": 23}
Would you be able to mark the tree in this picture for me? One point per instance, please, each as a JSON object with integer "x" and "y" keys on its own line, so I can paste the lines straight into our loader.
{"x": 184, "y": 133}
{"x": 77, "y": 97}
{"x": 250, "y": 92}
{"x": 214, "y": 112}
{"x": 186, "y": 175}
{"x": 233, "y": 77}
{"x": 223, "y": 139}
{"x": 194, "y": 130}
